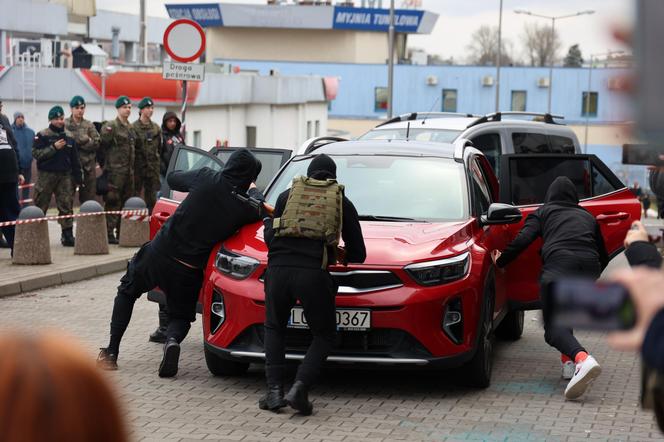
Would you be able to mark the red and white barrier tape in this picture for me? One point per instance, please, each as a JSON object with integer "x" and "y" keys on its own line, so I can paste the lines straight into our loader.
{"x": 26, "y": 186}
{"x": 136, "y": 215}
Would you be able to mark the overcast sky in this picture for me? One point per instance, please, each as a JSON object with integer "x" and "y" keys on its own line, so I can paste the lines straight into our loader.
{"x": 459, "y": 18}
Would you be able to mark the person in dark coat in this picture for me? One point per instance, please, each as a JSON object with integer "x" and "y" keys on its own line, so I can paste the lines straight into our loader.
{"x": 175, "y": 259}
{"x": 296, "y": 272}
{"x": 9, "y": 178}
{"x": 572, "y": 245}
{"x": 170, "y": 137}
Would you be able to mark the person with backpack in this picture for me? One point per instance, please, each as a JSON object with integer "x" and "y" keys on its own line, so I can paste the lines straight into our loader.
{"x": 302, "y": 241}
{"x": 572, "y": 245}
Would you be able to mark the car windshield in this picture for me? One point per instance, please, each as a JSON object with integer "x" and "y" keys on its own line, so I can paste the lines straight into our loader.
{"x": 392, "y": 188}
{"x": 416, "y": 134}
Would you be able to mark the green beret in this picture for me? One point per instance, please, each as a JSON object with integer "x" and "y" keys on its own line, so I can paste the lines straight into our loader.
{"x": 56, "y": 112}
{"x": 146, "y": 101}
{"x": 77, "y": 100}
{"x": 121, "y": 101}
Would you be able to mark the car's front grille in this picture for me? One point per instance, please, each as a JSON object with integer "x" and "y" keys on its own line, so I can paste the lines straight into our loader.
{"x": 356, "y": 282}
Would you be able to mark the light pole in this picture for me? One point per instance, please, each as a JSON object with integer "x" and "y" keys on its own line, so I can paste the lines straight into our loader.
{"x": 390, "y": 61}
{"x": 104, "y": 72}
{"x": 553, "y": 35}
{"x": 587, "y": 103}
{"x": 499, "y": 54}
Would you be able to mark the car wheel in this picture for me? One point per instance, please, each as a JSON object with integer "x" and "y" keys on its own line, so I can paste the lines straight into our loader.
{"x": 223, "y": 367}
{"x": 511, "y": 327}
{"x": 478, "y": 370}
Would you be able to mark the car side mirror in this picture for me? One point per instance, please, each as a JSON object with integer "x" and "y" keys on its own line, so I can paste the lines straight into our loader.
{"x": 500, "y": 213}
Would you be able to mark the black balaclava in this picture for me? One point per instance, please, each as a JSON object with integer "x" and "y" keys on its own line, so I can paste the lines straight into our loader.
{"x": 241, "y": 169}
{"x": 562, "y": 190}
{"x": 322, "y": 167}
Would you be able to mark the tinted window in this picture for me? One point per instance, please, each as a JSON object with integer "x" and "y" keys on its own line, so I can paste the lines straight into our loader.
{"x": 449, "y": 100}
{"x": 489, "y": 144}
{"x": 434, "y": 188}
{"x": 433, "y": 135}
{"x": 561, "y": 144}
{"x": 601, "y": 184}
{"x": 271, "y": 162}
{"x": 193, "y": 160}
{"x": 380, "y": 99}
{"x": 530, "y": 142}
{"x": 519, "y": 101}
{"x": 481, "y": 196}
{"x": 589, "y": 104}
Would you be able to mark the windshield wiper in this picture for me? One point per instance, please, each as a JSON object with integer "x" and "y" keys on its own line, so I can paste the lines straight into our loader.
{"x": 387, "y": 218}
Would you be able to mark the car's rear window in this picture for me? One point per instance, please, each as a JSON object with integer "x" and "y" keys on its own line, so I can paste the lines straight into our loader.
{"x": 416, "y": 134}
{"x": 424, "y": 189}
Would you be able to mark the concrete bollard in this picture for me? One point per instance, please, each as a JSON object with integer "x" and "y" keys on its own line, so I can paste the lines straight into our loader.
{"x": 134, "y": 233}
{"x": 31, "y": 242}
{"x": 91, "y": 237}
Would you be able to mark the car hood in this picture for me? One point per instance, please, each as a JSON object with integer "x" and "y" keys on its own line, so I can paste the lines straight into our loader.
{"x": 387, "y": 243}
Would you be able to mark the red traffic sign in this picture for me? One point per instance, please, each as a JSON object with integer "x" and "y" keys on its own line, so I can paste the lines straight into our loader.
{"x": 184, "y": 40}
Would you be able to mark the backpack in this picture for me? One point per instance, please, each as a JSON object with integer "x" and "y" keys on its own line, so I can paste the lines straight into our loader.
{"x": 313, "y": 211}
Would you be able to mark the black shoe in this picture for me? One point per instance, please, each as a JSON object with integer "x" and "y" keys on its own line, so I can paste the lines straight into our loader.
{"x": 273, "y": 399}
{"x": 159, "y": 335}
{"x": 169, "y": 364}
{"x": 67, "y": 238}
{"x": 106, "y": 360}
{"x": 298, "y": 399}
{"x": 112, "y": 239}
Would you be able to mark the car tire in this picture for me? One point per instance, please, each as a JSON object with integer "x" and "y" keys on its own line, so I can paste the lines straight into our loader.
{"x": 511, "y": 327}
{"x": 223, "y": 367}
{"x": 478, "y": 369}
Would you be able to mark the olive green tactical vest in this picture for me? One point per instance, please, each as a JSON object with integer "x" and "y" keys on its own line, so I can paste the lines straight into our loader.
{"x": 314, "y": 211}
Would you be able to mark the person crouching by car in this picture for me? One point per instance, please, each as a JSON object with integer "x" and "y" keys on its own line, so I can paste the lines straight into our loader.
{"x": 572, "y": 246}
{"x": 308, "y": 220}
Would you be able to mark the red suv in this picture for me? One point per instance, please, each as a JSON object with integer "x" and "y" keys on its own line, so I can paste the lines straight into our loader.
{"x": 428, "y": 294}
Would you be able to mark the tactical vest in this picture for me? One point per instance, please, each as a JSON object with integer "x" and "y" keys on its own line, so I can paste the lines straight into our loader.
{"x": 313, "y": 211}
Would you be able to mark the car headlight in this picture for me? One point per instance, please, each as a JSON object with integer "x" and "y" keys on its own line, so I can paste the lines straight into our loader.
{"x": 440, "y": 271}
{"x": 234, "y": 265}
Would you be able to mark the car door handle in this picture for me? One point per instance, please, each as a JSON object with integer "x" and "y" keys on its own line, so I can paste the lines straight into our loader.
{"x": 611, "y": 217}
{"x": 161, "y": 216}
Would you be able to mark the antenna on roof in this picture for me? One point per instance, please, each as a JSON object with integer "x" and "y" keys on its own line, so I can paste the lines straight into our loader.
{"x": 407, "y": 130}
{"x": 430, "y": 110}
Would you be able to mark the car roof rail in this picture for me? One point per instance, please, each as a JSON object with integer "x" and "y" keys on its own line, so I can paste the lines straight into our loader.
{"x": 314, "y": 143}
{"x": 426, "y": 115}
{"x": 497, "y": 116}
{"x": 460, "y": 145}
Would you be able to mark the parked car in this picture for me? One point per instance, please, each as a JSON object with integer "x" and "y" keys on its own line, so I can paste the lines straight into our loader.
{"x": 428, "y": 294}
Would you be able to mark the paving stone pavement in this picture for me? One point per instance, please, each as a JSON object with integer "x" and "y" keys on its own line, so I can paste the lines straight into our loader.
{"x": 524, "y": 402}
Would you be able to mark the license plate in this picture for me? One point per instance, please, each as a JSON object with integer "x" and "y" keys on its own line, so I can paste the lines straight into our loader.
{"x": 347, "y": 319}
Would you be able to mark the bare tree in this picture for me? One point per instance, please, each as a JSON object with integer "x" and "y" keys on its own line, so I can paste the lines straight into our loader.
{"x": 484, "y": 46}
{"x": 541, "y": 44}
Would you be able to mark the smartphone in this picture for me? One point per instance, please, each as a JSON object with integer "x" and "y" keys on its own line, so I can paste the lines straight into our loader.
{"x": 584, "y": 304}
{"x": 642, "y": 154}
{"x": 648, "y": 37}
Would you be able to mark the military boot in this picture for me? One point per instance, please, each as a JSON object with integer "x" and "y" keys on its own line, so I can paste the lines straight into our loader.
{"x": 112, "y": 239}
{"x": 67, "y": 238}
{"x": 273, "y": 400}
{"x": 107, "y": 360}
{"x": 298, "y": 398}
{"x": 159, "y": 335}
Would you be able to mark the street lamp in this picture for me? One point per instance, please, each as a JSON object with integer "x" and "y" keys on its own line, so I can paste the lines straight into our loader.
{"x": 390, "y": 63}
{"x": 104, "y": 72}
{"x": 499, "y": 55}
{"x": 553, "y": 33}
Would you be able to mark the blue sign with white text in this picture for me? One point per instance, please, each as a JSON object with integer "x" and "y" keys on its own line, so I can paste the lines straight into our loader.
{"x": 369, "y": 19}
{"x": 206, "y": 14}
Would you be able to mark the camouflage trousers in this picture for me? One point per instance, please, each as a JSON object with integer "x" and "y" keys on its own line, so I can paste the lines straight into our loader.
{"x": 88, "y": 190}
{"x": 60, "y": 184}
{"x": 121, "y": 188}
{"x": 150, "y": 185}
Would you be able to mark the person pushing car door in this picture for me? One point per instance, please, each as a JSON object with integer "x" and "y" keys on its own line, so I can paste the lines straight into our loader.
{"x": 175, "y": 259}
{"x": 302, "y": 241}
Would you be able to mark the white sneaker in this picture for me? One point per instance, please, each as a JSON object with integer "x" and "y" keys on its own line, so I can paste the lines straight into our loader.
{"x": 586, "y": 372}
{"x": 568, "y": 370}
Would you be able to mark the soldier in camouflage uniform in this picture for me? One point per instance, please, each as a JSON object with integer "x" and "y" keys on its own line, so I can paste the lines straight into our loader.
{"x": 59, "y": 168}
{"x": 118, "y": 144}
{"x": 87, "y": 142}
{"x": 146, "y": 165}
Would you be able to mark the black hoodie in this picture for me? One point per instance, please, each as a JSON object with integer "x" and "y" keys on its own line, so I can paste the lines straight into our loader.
{"x": 210, "y": 213}
{"x": 169, "y": 139}
{"x": 565, "y": 227}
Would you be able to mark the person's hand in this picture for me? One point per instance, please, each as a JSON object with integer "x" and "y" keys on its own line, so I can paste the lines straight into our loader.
{"x": 495, "y": 255}
{"x": 645, "y": 289}
{"x": 252, "y": 186}
{"x": 21, "y": 180}
{"x": 60, "y": 144}
{"x": 341, "y": 256}
{"x": 636, "y": 233}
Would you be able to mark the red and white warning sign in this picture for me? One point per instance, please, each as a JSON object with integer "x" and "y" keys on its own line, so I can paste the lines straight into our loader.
{"x": 184, "y": 40}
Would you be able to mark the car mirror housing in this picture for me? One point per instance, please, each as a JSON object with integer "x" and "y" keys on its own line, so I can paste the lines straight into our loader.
{"x": 500, "y": 213}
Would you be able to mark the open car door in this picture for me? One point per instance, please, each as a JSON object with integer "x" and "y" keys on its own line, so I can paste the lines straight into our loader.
{"x": 524, "y": 180}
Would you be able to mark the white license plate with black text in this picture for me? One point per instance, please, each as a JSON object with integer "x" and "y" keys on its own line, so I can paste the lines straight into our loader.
{"x": 347, "y": 319}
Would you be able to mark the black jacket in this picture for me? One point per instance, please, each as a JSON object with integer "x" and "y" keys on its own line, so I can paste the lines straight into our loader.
{"x": 52, "y": 160}
{"x": 210, "y": 213}
{"x": 563, "y": 225}
{"x": 304, "y": 252}
{"x": 169, "y": 139}
{"x": 8, "y": 157}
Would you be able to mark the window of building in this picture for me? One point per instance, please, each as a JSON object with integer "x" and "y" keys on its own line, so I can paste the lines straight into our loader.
{"x": 197, "y": 138}
{"x": 380, "y": 99}
{"x": 519, "y": 101}
{"x": 449, "y": 100}
{"x": 317, "y": 129}
{"x": 251, "y": 136}
{"x": 308, "y": 129}
{"x": 589, "y": 104}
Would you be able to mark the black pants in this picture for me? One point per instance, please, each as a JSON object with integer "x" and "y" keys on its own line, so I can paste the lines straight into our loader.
{"x": 315, "y": 289}
{"x": 147, "y": 270}
{"x": 25, "y": 193}
{"x": 565, "y": 264}
{"x": 9, "y": 209}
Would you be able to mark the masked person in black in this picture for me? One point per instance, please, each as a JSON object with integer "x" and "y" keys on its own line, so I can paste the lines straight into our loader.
{"x": 297, "y": 271}
{"x": 572, "y": 246}
{"x": 175, "y": 259}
